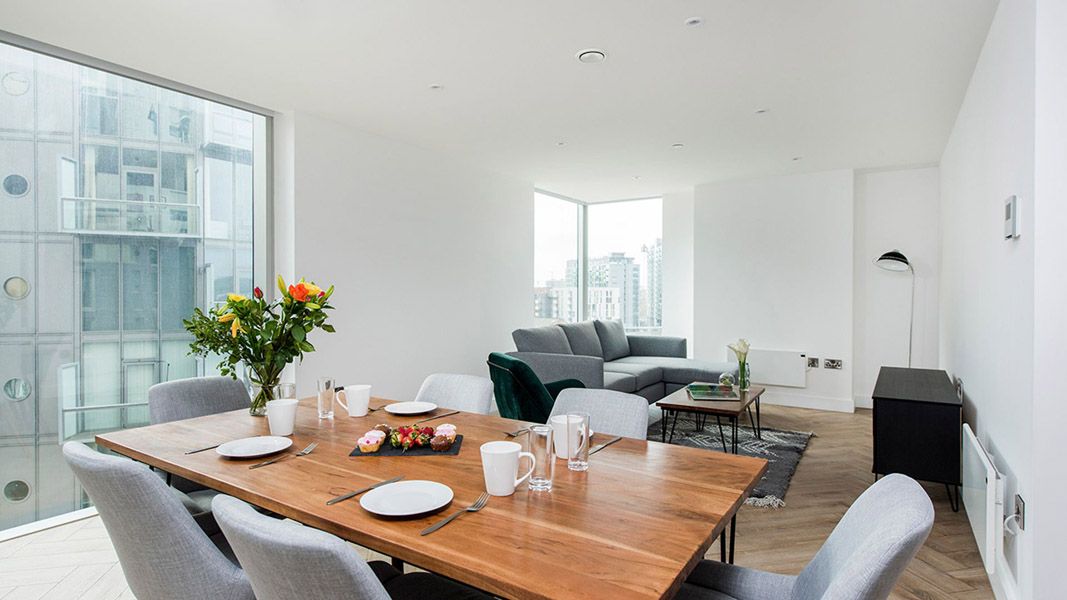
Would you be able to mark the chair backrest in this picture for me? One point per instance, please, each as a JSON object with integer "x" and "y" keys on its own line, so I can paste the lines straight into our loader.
{"x": 164, "y": 554}
{"x": 610, "y": 412}
{"x": 195, "y": 397}
{"x": 468, "y": 393}
{"x": 871, "y": 545}
{"x": 519, "y": 393}
{"x": 286, "y": 561}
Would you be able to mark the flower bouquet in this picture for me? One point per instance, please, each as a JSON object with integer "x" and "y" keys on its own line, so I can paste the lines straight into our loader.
{"x": 740, "y": 348}
{"x": 265, "y": 336}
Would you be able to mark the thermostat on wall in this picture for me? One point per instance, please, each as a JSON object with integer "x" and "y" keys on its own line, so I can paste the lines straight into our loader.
{"x": 1011, "y": 218}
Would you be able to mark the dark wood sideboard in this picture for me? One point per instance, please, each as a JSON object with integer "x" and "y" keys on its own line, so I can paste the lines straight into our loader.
{"x": 918, "y": 424}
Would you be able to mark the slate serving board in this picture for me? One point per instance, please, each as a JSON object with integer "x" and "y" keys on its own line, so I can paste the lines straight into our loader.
{"x": 388, "y": 450}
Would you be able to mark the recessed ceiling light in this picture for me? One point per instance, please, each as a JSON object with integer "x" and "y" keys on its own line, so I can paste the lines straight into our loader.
{"x": 591, "y": 56}
{"x": 677, "y": 146}
{"x": 436, "y": 86}
{"x": 761, "y": 111}
{"x": 694, "y": 22}
{"x": 796, "y": 158}
{"x": 561, "y": 143}
{"x": 636, "y": 177}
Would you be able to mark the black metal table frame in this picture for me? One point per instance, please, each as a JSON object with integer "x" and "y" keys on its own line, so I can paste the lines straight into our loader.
{"x": 701, "y": 420}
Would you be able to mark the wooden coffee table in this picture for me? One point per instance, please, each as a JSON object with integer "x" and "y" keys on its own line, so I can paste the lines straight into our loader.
{"x": 732, "y": 409}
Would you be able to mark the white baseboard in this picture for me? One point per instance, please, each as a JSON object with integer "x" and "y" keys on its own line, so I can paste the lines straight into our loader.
{"x": 56, "y": 521}
{"x": 863, "y": 402}
{"x": 786, "y": 398}
{"x": 1004, "y": 586}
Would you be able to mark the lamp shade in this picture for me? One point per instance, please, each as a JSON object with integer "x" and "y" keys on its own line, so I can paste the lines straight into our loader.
{"x": 893, "y": 260}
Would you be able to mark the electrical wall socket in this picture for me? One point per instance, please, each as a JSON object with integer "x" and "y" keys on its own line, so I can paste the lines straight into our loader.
{"x": 831, "y": 363}
{"x": 1020, "y": 510}
{"x": 813, "y": 362}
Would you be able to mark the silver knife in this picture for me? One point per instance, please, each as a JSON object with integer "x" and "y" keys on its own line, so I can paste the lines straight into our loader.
{"x": 344, "y": 497}
{"x": 203, "y": 449}
{"x": 600, "y": 447}
{"x": 447, "y": 414}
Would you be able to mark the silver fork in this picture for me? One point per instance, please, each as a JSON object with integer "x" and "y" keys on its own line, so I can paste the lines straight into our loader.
{"x": 303, "y": 452}
{"x": 478, "y": 505}
{"x": 517, "y": 433}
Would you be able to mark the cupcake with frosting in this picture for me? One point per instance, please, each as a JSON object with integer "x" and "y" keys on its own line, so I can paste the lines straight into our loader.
{"x": 368, "y": 444}
{"x": 375, "y": 434}
{"x": 447, "y": 430}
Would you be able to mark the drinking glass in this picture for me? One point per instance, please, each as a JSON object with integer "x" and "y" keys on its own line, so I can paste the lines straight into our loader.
{"x": 577, "y": 441}
{"x": 326, "y": 392}
{"x": 285, "y": 391}
{"x": 540, "y": 437}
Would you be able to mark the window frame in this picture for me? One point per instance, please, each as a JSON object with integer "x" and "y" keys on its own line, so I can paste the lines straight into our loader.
{"x": 583, "y": 242}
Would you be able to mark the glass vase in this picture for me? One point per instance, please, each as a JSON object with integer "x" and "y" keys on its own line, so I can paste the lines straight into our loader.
{"x": 261, "y": 388}
{"x": 743, "y": 376}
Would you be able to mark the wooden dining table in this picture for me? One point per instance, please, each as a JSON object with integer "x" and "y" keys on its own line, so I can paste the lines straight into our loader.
{"x": 633, "y": 526}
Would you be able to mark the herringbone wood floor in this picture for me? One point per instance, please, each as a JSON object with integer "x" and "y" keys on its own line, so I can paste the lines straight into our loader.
{"x": 77, "y": 561}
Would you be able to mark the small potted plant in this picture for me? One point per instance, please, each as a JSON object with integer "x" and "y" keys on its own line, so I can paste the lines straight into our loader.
{"x": 264, "y": 336}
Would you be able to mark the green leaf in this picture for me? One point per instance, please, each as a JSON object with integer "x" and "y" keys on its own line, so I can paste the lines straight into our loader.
{"x": 298, "y": 333}
{"x": 328, "y": 328}
{"x": 312, "y": 305}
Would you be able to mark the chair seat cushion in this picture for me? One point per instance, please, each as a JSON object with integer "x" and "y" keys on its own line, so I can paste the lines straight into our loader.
{"x": 711, "y": 577}
{"x": 620, "y": 382}
{"x": 682, "y": 370}
{"x": 420, "y": 586}
{"x": 695, "y": 592}
{"x": 645, "y": 375}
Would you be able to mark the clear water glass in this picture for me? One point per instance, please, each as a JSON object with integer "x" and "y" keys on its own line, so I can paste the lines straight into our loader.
{"x": 285, "y": 391}
{"x": 577, "y": 441}
{"x": 326, "y": 392}
{"x": 540, "y": 438}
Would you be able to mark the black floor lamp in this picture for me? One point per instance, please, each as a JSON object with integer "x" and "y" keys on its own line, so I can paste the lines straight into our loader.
{"x": 894, "y": 260}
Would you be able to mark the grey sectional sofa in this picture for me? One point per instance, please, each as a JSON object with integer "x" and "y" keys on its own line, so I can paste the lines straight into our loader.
{"x": 601, "y": 355}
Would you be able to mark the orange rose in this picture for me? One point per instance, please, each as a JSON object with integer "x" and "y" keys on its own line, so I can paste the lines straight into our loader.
{"x": 299, "y": 292}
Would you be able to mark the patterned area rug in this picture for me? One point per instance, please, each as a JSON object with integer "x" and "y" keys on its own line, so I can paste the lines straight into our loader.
{"x": 782, "y": 449}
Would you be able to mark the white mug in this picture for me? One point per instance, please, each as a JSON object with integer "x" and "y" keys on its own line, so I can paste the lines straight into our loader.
{"x": 355, "y": 399}
{"x": 500, "y": 463}
{"x": 281, "y": 416}
{"x": 560, "y": 435}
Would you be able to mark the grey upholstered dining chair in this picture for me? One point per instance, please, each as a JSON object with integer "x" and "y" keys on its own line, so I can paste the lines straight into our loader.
{"x": 288, "y": 561}
{"x": 861, "y": 560}
{"x": 163, "y": 553}
{"x": 610, "y": 412}
{"x": 195, "y": 397}
{"x": 469, "y": 393}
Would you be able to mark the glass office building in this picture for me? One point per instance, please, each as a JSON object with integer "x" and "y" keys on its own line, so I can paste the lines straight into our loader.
{"x": 123, "y": 206}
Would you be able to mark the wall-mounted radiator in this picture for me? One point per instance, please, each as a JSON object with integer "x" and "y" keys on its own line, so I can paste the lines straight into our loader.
{"x": 982, "y": 497}
{"x": 787, "y": 368}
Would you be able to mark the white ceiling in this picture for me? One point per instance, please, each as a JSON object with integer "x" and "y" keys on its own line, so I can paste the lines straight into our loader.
{"x": 847, "y": 83}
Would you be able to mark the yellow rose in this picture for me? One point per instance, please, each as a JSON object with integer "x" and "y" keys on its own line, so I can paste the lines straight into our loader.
{"x": 235, "y": 298}
{"x": 226, "y": 318}
{"x": 235, "y": 327}
{"x": 313, "y": 290}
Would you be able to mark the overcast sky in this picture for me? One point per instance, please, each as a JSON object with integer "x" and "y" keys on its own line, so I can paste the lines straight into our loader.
{"x": 613, "y": 227}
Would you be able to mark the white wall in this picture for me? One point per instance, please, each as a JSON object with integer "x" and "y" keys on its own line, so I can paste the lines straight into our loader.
{"x": 987, "y": 283}
{"x": 678, "y": 266}
{"x": 432, "y": 260}
{"x": 895, "y": 209}
{"x": 773, "y": 263}
{"x": 1046, "y": 520}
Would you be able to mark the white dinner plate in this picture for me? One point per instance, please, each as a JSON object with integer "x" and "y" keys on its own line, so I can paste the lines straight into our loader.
{"x": 406, "y": 498}
{"x": 410, "y": 408}
{"x": 261, "y": 445}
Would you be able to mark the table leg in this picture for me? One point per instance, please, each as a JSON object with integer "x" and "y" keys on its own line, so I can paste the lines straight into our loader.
{"x": 733, "y": 532}
{"x": 759, "y": 426}
{"x": 722, "y": 546}
{"x": 663, "y": 427}
{"x": 752, "y": 421}
{"x": 673, "y": 425}
{"x": 398, "y": 564}
{"x": 954, "y": 504}
{"x": 722, "y": 436}
{"x": 733, "y": 440}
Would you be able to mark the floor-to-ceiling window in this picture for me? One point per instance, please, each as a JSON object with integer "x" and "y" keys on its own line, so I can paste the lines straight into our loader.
{"x": 123, "y": 206}
{"x": 599, "y": 261}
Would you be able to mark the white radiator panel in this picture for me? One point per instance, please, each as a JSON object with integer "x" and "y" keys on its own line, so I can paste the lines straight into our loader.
{"x": 980, "y": 497}
{"x": 787, "y": 368}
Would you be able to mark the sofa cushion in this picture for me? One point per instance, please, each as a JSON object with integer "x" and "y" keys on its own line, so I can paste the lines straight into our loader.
{"x": 550, "y": 339}
{"x": 682, "y": 370}
{"x": 620, "y": 382}
{"x": 645, "y": 375}
{"x": 583, "y": 338}
{"x": 612, "y": 339}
